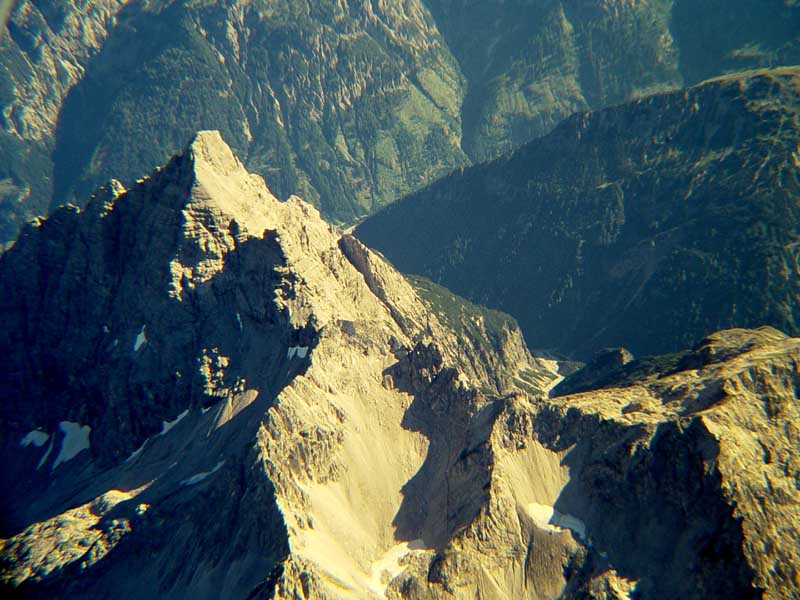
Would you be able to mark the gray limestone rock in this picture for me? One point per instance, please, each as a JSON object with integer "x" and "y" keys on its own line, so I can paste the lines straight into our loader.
{"x": 211, "y": 393}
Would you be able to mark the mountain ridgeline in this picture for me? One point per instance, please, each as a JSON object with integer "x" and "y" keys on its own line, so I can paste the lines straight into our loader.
{"x": 350, "y": 105}
{"x": 211, "y": 388}
{"x": 211, "y": 393}
{"x": 530, "y": 64}
{"x": 645, "y": 225}
{"x": 211, "y": 377}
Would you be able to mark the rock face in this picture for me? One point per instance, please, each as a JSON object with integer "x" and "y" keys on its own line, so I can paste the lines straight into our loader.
{"x": 681, "y": 484}
{"x": 350, "y": 105}
{"x": 645, "y": 225}
{"x": 719, "y": 428}
{"x": 210, "y": 393}
{"x": 218, "y": 392}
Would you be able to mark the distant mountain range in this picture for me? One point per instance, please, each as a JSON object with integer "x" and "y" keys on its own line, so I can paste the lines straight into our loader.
{"x": 351, "y": 105}
{"x": 645, "y": 225}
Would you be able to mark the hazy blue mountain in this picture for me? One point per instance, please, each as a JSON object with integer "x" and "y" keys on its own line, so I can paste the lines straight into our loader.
{"x": 644, "y": 225}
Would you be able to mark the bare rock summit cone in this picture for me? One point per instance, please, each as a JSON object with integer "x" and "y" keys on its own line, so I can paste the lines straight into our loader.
{"x": 211, "y": 393}
{"x": 217, "y": 391}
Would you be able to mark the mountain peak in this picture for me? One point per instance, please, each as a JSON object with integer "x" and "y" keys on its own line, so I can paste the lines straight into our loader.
{"x": 220, "y": 185}
{"x": 227, "y": 328}
{"x": 193, "y": 358}
{"x": 207, "y": 148}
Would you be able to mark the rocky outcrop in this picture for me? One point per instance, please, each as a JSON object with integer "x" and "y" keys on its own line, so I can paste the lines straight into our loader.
{"x": 698, "y": 466}
{"x": 681, "y": 484}
{"x": 217, "y": 391}
{"x": 644, "y": 226}
{"x": 212, "y": 393}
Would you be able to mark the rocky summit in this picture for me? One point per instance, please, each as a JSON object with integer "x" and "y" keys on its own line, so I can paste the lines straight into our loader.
{"x": 218, "y": 392}
{"x": 211, "y": 393}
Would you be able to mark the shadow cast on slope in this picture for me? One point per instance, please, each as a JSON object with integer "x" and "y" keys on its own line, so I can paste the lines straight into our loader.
{"x": 451, "y": 486}
{"x": 220, "y": 342}
{"x": 655, "y": 512}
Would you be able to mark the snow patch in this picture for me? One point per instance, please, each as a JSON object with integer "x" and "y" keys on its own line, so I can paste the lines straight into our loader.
{"x": 76, "y": 440}
{"x": 37, "y": 437}
{"x": 389, "y": 566}
{"x": 166, "y": 426}
{"x": 135, "y": 454}
{"x": 141, "y": 339}
{"x": 548, "y": 518}
{"x": 194, "y": 479}
{"x": 44, "y": 457}
{"x": 299, "y": 351}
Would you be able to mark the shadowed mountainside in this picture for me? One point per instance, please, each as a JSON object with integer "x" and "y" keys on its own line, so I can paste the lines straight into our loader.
{"x": 644, "y": 225}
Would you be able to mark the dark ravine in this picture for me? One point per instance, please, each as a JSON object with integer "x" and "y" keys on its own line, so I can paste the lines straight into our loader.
{"x": 645, "y": 225}
{"x": 211, "y": 393}
{"x": 530, "y": 64}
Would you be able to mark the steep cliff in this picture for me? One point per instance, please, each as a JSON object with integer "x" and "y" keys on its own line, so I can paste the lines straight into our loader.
{"x": 698, "y": 465}
{"x": 645, "y": 225}
{"x": 210, "y": 393}
{"x": 216, "y": 391}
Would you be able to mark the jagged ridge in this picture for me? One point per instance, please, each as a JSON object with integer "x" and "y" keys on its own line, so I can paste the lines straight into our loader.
{"x": 217, "y": 392}
{"x": 284, "y": 370}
